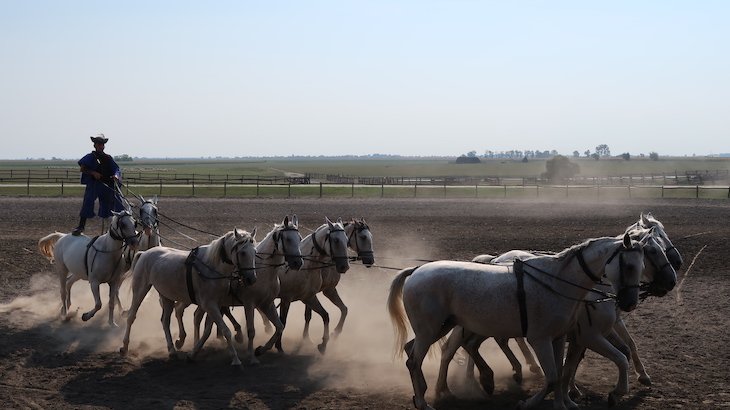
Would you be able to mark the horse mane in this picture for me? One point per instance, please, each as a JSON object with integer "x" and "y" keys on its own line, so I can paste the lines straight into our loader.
{"x": 218, "y": 245}
{"x": 566, "y": 254}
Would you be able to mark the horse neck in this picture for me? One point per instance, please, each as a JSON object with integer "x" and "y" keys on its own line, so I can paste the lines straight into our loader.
{"x": 567, "y": 266}
{"x": 309, "y": 251}
{"x": 208, "y": 255}
{"x": 270, "y": 258}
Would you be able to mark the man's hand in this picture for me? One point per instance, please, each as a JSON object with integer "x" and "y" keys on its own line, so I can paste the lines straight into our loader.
{"x": 96, "y": 175}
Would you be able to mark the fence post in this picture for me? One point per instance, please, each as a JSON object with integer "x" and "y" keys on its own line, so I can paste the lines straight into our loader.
{"x": 382, "y": 189}
{"x": 61, "y": 187}
{"x": 289, "y": 190}
{"x": 27, "y": 186}
{"x": 566, "y": 190}
{"x": 415, "y": 189}
{"x": 662, "y": 191}
{"x": 697, "y": 191}
{"x": 320, "y": 189}
{"x": 225, "y": 187}
{"x": 193, "y": 185}
{"x": 160, "y": 187}
{"x": 629, "y": 191}
{"x": 352, "y": 190}
{"x": 505, "y": 189}
{"x": 476, "y": 190}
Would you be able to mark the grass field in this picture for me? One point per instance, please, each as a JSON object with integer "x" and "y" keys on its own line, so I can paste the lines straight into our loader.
{"x": 421, "y": 167}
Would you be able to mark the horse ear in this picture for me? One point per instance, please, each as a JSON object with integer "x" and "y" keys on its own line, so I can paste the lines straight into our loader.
{"x": 295, "y": 220}
{"x": 627, "y": 240}
{"x": 339, "y": 220}
{"x": 286, "y": 221}
{"x": 236, "y": 234}
{"x": 329, "y": 223}
{"x": 645, "y": 220}
{"x": 154, "y": 199}
{"x": 253, "y": 233}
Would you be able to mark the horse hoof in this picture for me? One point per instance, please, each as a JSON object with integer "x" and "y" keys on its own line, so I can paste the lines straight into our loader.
{"x": 259, "y": 351}
{"x": 645, "y": 380}
{"x": 236, "y": 366}
{"x": 444, "y": 394}
{"x": 85, "y": 317}
{"x": 517, "y": 378}
{"x": 322, "y": 348}
{"x": 575, "y": 394}
{"x": 189, "y": 358}
{"x": 487, "y": 385}
{"x": 123, "y": 351}
{"x": 179, "y": 343}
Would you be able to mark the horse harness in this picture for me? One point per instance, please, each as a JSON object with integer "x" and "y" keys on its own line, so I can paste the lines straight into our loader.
{"x": 359, "y": 227}
{"x": 278, "y": 238}
{"x": 519, "y": 271}
{"x": 321, "y": 250}
{"x": 114, "y": 236}
{"x": 190, "y": 263}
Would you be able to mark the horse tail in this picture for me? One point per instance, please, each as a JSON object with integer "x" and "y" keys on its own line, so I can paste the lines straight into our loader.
{"x": 397, "y": 311}
{"x": 47, "y": 243}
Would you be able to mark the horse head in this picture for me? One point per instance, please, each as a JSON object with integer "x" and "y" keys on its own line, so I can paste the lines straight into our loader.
{"x": 337, "y": 249}
{"x": 624, "y": 269}
{"x": 243, "y": 255}
{"x": 648, "y": 221}
{"x": 122, "y": 228}
{"x": 360, "y": 240}
{"x": 659, "y": 272}
{"x": 287, "y": 235}
{"x": 148, "y": 215}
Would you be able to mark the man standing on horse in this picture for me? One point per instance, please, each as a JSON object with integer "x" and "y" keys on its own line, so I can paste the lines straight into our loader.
{"x": 101, "y": 175}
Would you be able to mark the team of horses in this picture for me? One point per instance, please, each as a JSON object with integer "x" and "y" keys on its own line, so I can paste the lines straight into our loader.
{"x": 543, "y": 299}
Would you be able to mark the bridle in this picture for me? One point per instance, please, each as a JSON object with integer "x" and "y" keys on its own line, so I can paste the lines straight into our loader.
{"x": 330, "y": 230}
{"x": 119, "y": 235}
{"x": 357, "y": 229}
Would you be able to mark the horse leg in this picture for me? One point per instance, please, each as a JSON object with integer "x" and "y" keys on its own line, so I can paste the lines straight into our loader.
{"x": 70, "y": 280}
{"x": 283, "y": 313}
{"x": 331, "y": 294}
{"x": 307, "y": 319}
{"x": 416, "y": 350}
{"x": 201, "y": 341}
{"x": 503, "y": 344}
{"x": 168, "y": 305}
{"x": 236, "y": 326}
{"x": 139, "y": 291}
{"x": 529, "y": 358}
{"x": 214, "y": 314}
{"x": 179, "y": 310}
{"x": 620, "y": 328}
{"x": 314, "y": 303}
{"x": 198, "y": 317}
{"x": 486, "y": 374}
{"x": 543, "y": 347}
{"x": 575, "y": 354}
{"x": 97, "y": 300}
{"x": 602, "y": 346}
{"x": 273, "y": 318}
{"x": 267, "y": 324}
{"x": 248, "y": 312}
{"x": 113, "y": 298}
{"x": 62, "y": 273}
{"x": 448, "y": 350}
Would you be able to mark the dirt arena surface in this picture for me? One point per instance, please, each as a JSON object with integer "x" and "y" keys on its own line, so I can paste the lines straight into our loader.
{"x": 47, "y": 363}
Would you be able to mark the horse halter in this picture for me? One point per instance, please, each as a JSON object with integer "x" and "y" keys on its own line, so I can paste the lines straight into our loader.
{"x": 145, "y": 215}
{"x": 359, "y": 227}
{"x": 279, "y": 238}
{"x": 237, "y": 264}
{"x": 119, "y": 235}
{"x": 321, "y": 250}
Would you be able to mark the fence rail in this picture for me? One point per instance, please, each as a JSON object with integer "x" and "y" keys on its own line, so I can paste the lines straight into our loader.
{"x": 236, "y": 189}
{"x": 71, "y": 175}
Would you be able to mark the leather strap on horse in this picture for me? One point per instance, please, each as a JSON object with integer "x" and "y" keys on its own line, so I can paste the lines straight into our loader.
{"x": 584, "y": 266}
{"x": 224, "y": 255}
{"x": 189, "y": 262}
{"x": 317, "y": 247}
{"x": 520, "y": 275}
{"x": 86, "y": 257}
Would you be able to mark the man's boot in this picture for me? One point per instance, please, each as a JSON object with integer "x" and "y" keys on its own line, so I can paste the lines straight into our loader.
{"x": 79, "y": 229}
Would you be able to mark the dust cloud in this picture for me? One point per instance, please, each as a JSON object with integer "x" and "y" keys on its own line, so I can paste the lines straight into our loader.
{"x": 360, "y": 358}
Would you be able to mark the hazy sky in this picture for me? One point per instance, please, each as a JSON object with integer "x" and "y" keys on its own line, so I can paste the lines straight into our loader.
{"x": 240, "y": 78}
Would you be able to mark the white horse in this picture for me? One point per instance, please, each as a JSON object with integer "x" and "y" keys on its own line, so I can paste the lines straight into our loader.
{"x": 482, "y": 299}
{"x": 98, "y": 260}
{"x": 658, "y": 285}
{"x": 360, "y": 240}
{"x": 204, "y": 276}
{"x": 593, "y": 328}
{"x": 149, "y": 237}
{"x": 279, "y": 250}
{"x": 323, "y": 248}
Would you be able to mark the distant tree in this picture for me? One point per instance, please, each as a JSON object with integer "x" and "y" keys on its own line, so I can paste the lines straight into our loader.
{"x": 559, "y": 167}
{"x": 603, "y": 150}
{"x": 642, "y": 155}
{"x": 595, "y": 156}
{"x": 524, "y": 159}
{"x": 471, "y": 154}
{"x": 123, "y": 158}
{"x": 576, "y": 154}
{"x": 463, "y": 159}
{"x": 587, "y": 153}
{"x": 653, "y": 156}
{"x": 626, "y": 156}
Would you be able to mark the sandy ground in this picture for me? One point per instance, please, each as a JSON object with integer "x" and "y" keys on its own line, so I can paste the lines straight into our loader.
{"x": 48, "y": 363}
